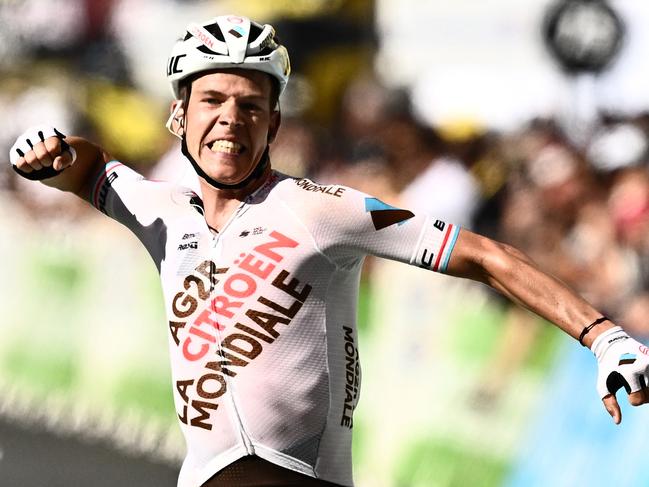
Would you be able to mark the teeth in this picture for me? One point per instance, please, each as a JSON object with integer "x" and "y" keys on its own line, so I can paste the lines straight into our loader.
{"x": 226, "y": 146}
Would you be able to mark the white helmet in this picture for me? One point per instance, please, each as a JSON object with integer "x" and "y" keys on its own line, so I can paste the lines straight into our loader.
{"x": 228, "y": 41}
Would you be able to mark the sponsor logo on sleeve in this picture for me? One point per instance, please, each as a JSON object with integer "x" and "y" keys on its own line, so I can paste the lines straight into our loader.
{"x": 331, "y": 189}
{"x": 384, "y": 215}
{"x": 352, "y": 378}
{"x": 437, "y": 260}
{"x": 103, "y": 185}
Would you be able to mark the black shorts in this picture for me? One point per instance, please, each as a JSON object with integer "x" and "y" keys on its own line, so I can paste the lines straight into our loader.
{"x": 253, "y": 471}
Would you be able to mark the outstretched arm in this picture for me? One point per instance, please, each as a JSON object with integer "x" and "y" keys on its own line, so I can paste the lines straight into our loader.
{"x": 516, "y": 276}
{"x": 67, "y": 163}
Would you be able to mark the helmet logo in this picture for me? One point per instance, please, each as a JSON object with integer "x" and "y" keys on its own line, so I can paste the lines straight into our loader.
{"x": 172, "y": 66}
{"x": 202, "y": 36}
{"x": 237, "y": 32}
{"x": 235, "y": 20}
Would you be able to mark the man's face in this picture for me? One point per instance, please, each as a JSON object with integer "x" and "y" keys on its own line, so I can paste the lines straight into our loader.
{"x": 229, "y": 122}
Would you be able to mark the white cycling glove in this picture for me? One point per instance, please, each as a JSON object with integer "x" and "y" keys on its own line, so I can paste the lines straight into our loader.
{"x": 623, "y": 362}
{"x": 26, "y": 143}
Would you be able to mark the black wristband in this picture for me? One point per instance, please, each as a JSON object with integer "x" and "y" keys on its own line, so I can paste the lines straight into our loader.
{"x": 585, "y": 331}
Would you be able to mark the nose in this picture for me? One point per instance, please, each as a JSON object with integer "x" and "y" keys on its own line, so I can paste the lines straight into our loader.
{"x": 230, "y": 114}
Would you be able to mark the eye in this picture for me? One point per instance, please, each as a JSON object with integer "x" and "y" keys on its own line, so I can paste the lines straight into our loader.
{"x": 251, "y": 106}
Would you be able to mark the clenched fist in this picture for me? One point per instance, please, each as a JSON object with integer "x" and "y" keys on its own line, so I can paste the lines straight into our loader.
{"x": 41, "y": 152}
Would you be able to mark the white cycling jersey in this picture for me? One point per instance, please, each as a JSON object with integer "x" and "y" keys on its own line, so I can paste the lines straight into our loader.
{"x": 262, "y": 315}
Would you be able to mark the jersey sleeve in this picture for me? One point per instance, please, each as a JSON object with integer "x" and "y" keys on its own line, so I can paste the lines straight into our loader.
{"x": 113, "y": 182}
{"x": 348, "y": 224}
{"x": 137, "y": 203}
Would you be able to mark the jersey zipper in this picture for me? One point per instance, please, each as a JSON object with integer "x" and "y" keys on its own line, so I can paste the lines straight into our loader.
{"x": 245, "y": 437}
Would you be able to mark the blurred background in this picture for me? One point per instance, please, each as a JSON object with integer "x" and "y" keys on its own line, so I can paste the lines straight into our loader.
{"x": 525, "y": 121}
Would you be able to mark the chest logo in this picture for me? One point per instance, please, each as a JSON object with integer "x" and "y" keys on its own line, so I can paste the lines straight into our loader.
{"x": 225, "y": 318}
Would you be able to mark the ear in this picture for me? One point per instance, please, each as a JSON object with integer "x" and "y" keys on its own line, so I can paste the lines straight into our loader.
{"x": 176, "y": 122}
{"x": 275, "y": 121}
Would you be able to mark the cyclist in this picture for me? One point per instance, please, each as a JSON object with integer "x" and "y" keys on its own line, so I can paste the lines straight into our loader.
{"x": 260, "y": 273}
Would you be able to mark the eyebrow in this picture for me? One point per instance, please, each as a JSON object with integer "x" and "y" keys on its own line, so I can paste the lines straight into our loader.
{"x": 216, "y": 93}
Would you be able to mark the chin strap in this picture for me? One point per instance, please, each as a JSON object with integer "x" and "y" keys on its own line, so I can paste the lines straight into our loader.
{"x": 256, "y": 173}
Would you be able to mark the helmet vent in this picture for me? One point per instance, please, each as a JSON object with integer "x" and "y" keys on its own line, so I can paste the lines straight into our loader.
{"x": 215, "y": 30}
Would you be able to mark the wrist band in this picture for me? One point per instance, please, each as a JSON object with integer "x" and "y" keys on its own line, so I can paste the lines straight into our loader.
{"x": 585, "y": 331}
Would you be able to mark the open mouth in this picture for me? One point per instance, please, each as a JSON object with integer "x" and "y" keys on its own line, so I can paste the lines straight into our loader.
{"x": 226, "y": 147}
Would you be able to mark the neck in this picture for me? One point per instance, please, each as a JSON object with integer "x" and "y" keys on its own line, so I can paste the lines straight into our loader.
{"x": 219, "y": 204}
